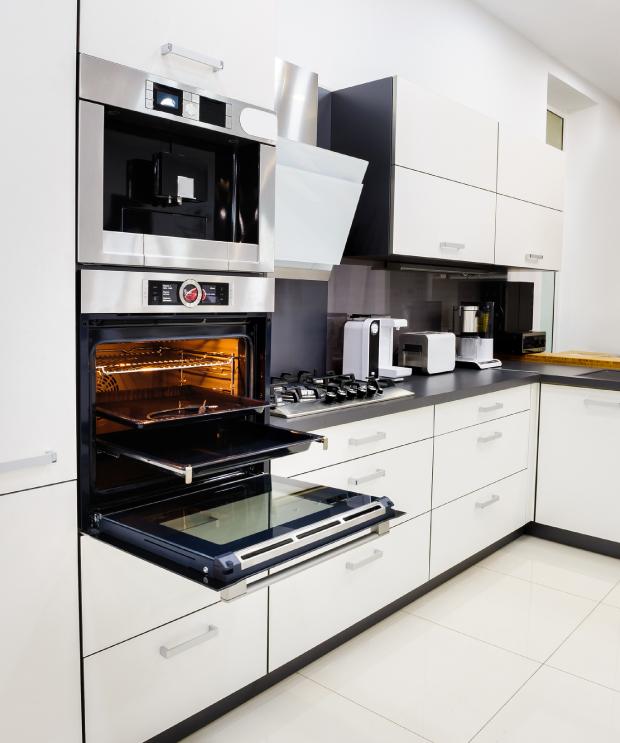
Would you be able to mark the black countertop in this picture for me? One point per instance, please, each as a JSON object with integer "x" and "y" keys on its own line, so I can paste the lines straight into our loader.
{"x": 440, "y": 388}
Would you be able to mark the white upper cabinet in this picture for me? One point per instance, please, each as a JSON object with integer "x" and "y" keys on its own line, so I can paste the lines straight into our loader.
{"x": 239, "y": 32}
{"x": 528, "y": 235}
{"x": 438, "y": 136}
{"x": 437, "y": 218}
{"x": 530, "y": 170}
{"x": 37, "y": 305}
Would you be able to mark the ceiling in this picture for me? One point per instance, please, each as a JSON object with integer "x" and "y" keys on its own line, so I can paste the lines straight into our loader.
{"x": 581, "y": 34}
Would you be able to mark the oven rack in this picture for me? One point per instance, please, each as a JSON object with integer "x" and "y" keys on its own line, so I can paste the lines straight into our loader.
{"x": 137, "y": 361}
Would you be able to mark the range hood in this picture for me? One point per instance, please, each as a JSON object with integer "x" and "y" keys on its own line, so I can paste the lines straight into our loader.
{"x": 317, "y": 190}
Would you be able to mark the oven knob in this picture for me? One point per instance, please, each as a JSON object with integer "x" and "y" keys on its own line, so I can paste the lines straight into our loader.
{"x": 190, "y": 293}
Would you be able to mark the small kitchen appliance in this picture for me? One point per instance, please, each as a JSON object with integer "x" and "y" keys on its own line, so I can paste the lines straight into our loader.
{"x": 430, "y": 352}
{"x": 369, "y": 348}
{"x": 514, "y": 317}
{"x": 473, "y": 326}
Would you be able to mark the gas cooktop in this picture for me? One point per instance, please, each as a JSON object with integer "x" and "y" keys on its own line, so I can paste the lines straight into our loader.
{"x": 304, "y": 393}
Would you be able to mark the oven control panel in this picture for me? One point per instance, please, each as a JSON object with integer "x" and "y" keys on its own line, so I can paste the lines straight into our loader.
{"x": 187, "y": 104}
{"x": 189, "y": 293}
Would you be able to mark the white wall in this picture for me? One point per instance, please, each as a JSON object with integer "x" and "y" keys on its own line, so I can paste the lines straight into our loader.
{"x": 458, "y": 50}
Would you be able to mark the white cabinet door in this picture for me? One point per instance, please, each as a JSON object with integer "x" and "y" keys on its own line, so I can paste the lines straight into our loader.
{"x": 404, "y": 475}
{"x": 439, "y": 136}
{"x": 530, "y": 170}
{"x": 142, "y": 687}
{"x": 528, "y": 235}
{"x": 37, "y": 317}
{"x": 239, "y": 32}
{"x": 314, "y": 605}
{"x": 578, "y": 483}
{"x": 451, "y": 416}
{"x": 39, "y": 619}
{"x": 437, "y": 218}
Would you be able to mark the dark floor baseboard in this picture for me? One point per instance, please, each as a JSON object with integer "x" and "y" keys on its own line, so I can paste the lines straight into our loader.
{"x": 574, "y": 539}
{"x": 200, "y": 719}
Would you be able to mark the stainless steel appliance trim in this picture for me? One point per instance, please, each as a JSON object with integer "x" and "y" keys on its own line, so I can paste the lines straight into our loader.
{"x": 119, "y": 291}
{"x": 376, "y": 555}
{"x": 169, "y": 652}
{"x": 179, "y": 51}
{"x": 243, "y": 587}
{"x": 114, "y": 84}
{"x": 50, "y": 457}
{"x": 296, "y": 102}
{"x": 485, "y": 504}
{"x": 161, "y": 251}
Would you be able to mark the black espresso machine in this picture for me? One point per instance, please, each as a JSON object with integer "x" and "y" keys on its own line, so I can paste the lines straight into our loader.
{"x": 174, "y": 432}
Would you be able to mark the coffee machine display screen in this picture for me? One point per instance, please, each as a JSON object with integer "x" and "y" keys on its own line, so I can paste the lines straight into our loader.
{"x": 167, "y": 99}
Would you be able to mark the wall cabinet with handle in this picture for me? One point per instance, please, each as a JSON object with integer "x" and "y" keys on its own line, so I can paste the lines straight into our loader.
{"x": 241, "y": 33}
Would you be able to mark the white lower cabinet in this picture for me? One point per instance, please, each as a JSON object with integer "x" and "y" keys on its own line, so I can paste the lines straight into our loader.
{"x": 474, "y": 457}
{"x": 150, "y": 683}
{"x": 314, "y": 605}
{"x": 469, "y": 411}
{"x": 39, "y": 619}
{"x": 578, "y": 468}
{"x": 471, "y": 523}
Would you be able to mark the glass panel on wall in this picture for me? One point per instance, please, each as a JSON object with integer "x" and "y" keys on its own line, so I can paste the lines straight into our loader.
{"x": 555, "y": 130}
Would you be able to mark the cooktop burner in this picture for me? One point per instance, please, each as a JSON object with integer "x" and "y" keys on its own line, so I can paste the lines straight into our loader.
{"x": 305, "y": 393}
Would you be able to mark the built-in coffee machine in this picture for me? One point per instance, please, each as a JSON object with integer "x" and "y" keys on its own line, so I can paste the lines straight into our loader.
{"x": 473, "y": 327}
{"x": 514, "y": 317}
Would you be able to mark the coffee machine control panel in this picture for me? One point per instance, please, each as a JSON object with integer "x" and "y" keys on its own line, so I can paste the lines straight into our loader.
{"x": 188, "y": 293}
{"x": 187, "y": 104}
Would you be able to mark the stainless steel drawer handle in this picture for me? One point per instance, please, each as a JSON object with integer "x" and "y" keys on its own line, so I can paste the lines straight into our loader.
{"x": 534, "y": 256}
{"x": 490, "y": 408}
{"x": 376, "y": 555}
{"x": 50, "y": 457}
{"x": 379, "y": 436}
{"x": 491, "y": 437}
{"x": 602, "y": 403}
{"x": 210, "y": 633}
{"x": 486, "y": 503}
{"x": 179, "y": 51}
{"x": 452, "y": 246}
{"x": 376, "y": 475}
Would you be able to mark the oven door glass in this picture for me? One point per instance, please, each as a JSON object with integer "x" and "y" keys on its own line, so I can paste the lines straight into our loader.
{"x": 227, "y": 533}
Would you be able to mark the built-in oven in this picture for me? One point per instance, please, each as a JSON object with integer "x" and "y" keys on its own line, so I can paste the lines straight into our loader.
{"x": 170, "y": 175}
{"x": 175, "y": 440}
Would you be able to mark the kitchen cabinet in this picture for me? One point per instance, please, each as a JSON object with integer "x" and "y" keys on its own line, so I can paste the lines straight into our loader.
{"x": 314, "y": 605}
{"x": 470, "y": 411}
{"x": 37, "y": 308}
{"x": 578, "y": 461}
{"x": 40, "y": 668}
{"x": 239, "y": 32}
{"x": 529, "y": 169}
{"x": 438, "y": 218}
{"x": 142, "y": 687}
{"x": 528, "y": 235}
{"x": 436, "y": 135}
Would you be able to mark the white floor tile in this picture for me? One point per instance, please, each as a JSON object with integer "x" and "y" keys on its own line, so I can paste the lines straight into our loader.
{"x": 554, "y": 707}
{"x": 613, "y": 598}
{"x": 436, "y": 682}
{"x": 557, "y": 566}
{"x": 508, "y": 612}
{"x": 593, "y": 650}
{"x": 300, "y": 711}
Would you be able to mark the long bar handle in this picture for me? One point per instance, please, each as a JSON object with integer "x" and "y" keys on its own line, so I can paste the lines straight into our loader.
{"x": 491, "y": 408}
{"x": 50, "y": 457}
{"x": 485, "y": 504}
{"x": 601, "y": 403}
{"x": 376, "y": 475}
{"x": 170, "y": 48}
{"x": 170, "y": 652}
{"x": 379, "y": 436}
{"x": 376, "y": 555}
{"x": 534, "y": 256}
{"x": 492, "y": 437}
{"x": 451, "y": 246}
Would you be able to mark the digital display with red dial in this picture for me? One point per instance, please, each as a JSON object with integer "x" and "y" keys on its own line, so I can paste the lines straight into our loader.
{"x": 186, "y": 292}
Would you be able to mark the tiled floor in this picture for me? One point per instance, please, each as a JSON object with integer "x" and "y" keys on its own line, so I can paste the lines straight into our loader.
{"x": 522, "y": 648}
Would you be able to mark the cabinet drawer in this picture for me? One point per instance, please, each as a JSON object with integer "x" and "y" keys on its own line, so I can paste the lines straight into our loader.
{"x": 473, "y": 410}
{"x": 469, "y": 459}
{"x": 471, "y": 523}
{"x": 353, "y": 440}
{"x": 133, "y": 691}
{"x": 403, "y": 474}
{"x": 528, "y": 235}
{"x": 310, "y": 607}
{"x": 437, "y": 218}
{"x": 443, "y": 137}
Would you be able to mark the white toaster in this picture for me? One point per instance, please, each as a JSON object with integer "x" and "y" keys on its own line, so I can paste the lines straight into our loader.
{"x": 431, "y": 352}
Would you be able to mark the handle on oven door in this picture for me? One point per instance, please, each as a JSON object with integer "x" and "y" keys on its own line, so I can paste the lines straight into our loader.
{"x": 376, "y": 475}
{"x": 376, "y": 555}
{"x": 242, "y": 588}
{"x": 492, "y": 437}
{"x": 379, "y": 436}
{"x": 50, "y": 457}
{"x": 179, "y": 51}
{"x": 208, "y": 634}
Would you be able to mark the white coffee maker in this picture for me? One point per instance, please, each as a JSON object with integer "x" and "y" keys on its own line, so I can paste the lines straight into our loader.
{"x": 369, "y": 348}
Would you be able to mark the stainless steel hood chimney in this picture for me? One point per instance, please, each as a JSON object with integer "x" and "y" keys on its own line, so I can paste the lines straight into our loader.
{"x": 317, "y": 190}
